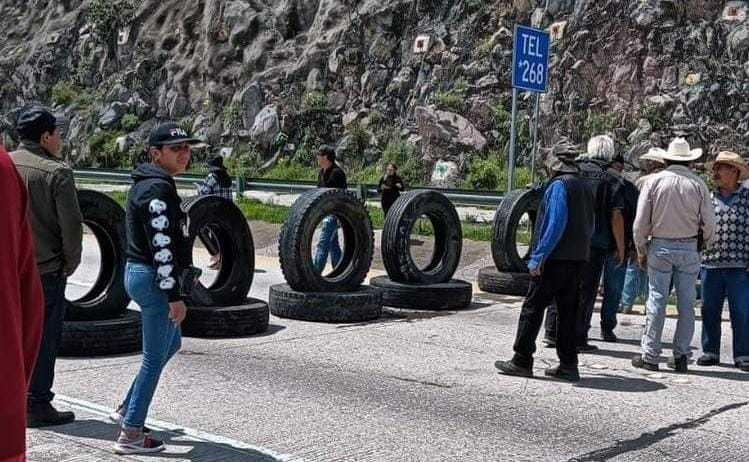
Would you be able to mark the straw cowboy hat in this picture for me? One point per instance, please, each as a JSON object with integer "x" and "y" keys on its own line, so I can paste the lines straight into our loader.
{"x": 653, "y": 155}
{"x": 679, "y": 151}
{"x": 734, "y": 160}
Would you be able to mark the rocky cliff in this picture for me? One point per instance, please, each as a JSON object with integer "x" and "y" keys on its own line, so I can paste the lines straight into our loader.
{"x": 268, "y": 79}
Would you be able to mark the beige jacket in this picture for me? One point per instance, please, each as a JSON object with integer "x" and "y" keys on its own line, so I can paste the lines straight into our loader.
{"x": 674, "y": 204}
{"x": 54, "y": 212}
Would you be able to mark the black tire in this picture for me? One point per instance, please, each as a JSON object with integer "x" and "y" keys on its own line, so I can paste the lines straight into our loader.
{"x": 396, "y": 238}
{"x": 451, "y": 295}
{"x": 233, "y": 237}
{"x": 229, "y": 321}
{"x": 499, "y": 282}
{"x": 107, "y": 298}
{"x": 364, "y": 304}
{"x": 115, "y": 336}
{"x": 504, "y": 233}
{"x": 295, "y": 241}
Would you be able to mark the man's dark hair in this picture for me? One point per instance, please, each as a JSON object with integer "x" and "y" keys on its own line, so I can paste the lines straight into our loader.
{"x": 34, "y": 121}
{"x": 392, "y": 164}
{"x": 326, "y": 151}
{"x": 678, "y": 162}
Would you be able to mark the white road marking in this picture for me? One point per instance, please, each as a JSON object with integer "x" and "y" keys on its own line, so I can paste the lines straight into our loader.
{"x": 169, "y": 427}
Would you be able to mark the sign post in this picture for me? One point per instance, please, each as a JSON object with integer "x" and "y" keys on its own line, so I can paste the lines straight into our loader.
{"x": 530, "y": 72}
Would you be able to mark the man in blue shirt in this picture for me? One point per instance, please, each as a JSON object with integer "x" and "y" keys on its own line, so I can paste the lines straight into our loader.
{"x": 565, "y": 226}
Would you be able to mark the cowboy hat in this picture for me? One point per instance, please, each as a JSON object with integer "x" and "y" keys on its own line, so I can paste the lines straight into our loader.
{"x": 653, "y": 155}
{"x": 679, "y": 151}
{"x": 734, "y": 160}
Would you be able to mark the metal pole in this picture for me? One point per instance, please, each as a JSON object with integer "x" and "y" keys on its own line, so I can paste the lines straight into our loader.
{"x": 511, "y": 166}
{"x": 535, "y": 138}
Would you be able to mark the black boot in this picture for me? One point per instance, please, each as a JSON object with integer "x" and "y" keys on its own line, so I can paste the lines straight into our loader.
{"x": 639, "y": 362}
{"x": 678, "y": 364}
{"x": 608, "y": 335}
{"x": 570, "y": 374}
{"x": 510, "y": 368}
{"x": 44, "y": 415}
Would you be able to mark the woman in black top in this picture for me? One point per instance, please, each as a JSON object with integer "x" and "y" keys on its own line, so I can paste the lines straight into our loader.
{"x": 390, "y": 187}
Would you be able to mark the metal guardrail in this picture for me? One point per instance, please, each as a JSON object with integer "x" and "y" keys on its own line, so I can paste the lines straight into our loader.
{"x": 368, "y": 191}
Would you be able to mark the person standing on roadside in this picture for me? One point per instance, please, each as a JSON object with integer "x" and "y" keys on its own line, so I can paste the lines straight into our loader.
{"x": 674, "y": 209}
{"x": 725, "y": 267}
{"x": 607, "y": 239}
{"x": 330, "y": 176}
{"x": 391, "y": 186}
{"x": 615, "y": 271}
{"x": 565, "y": 227}
{"x": 58, "y": 231}
{"x": 157, "y": 276}
{"x": 217, "y": 183}
{"x": 636, "y": 278}
{"x": 21, "y": 311}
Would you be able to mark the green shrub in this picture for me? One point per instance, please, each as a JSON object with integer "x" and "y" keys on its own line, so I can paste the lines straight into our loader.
{"x": 315, "y": 100}
{"x": 484, "y": 47}
{"x": 64, "y": 93}
{"x": 103, "y": 146}
{"x": 599, "y": 124}
{"x": 409, "y": 162}
{"x": 290, "y": 170}
{"x": 449, "y": 100}
{"x": 130, "y": 122}
{"x": 232, "y": 116}
{"x": 485, "y": 174}
{"x": 108, "y": 16}
{"x": 243, "y": 163}
{"x": 654, "y": 116}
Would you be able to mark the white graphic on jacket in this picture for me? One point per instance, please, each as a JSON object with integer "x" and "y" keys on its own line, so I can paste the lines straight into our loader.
{"x": 161, "y": 240}
{"x": 157, "y": 207}
{"x": 167, "y": 284}
{"x": 160, "y": 223}
{"x": 163, "y": 256}
{"x": 165, "y": 271}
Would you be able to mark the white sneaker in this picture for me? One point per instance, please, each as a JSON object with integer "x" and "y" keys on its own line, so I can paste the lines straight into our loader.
{"x": 116, "y": 417}
{"x": 137, "y": 443}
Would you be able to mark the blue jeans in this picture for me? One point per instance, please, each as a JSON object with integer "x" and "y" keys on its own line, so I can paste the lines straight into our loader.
{"x": 717, "y": 285}
{"x": 667, "y": 258}
{"x": 40, "y": 388}
{"x": 328, "y": 244}
{"x": 635, "y": 285}
{"x": 613, "y": 284}
{"x": 161, "y": 340}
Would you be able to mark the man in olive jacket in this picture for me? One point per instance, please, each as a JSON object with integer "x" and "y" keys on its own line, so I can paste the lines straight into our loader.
{"x": 57, "y": 225}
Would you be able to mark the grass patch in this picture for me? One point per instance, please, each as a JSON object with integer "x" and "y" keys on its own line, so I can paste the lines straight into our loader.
{"x": 119, "y": 196}
{"x": 259, "y": 211}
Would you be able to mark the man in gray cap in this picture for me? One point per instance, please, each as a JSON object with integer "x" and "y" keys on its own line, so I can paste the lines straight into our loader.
{"x": 57, "y": 225}
{"x": 565, "y": 226}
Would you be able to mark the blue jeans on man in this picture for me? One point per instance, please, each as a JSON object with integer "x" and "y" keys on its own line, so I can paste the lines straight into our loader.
{"x": 327, "y": 245}
{"x": 635, "y": 286}
{"x": 40, "y": 388}
{"x": 613, "y": 285}
{"x": 667, "y": 259}
{"x": 719, "y": 284}
{"x": 161, "y": 340}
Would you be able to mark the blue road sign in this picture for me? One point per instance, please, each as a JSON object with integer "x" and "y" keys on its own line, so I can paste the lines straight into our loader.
{"x": 530, "y": 59}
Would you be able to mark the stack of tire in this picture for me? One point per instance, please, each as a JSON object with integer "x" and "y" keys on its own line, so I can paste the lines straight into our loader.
{"x": 222, "y": 309}
{"x": 430, "y": 287}
{"x": 339, "y": 296}
{"x": 510, "y": 275}
{"x": 99, "y": 323}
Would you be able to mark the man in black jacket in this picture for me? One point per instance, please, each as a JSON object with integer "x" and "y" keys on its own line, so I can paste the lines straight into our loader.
{"x": 565, "y": 227}
{"x": 157, "y": 276}
{"x": 330, "y": 176}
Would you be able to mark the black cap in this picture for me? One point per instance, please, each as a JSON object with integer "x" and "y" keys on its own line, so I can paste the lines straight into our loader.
{"x": 217, "y": 162}
{"x": 34, "y": 121}
{"x": 170, "y": 133}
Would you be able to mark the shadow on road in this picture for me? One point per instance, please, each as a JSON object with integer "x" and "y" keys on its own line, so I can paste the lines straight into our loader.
{"x": 616, "y": 383}
{"x": 650, "y": 438}
{"x": 193, "y": 449}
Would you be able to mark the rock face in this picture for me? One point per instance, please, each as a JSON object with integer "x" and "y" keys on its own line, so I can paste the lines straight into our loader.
{"x": 242, "y": 72}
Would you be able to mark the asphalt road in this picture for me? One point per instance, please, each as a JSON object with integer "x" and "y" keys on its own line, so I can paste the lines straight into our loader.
{"x": 412, "y": 386}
